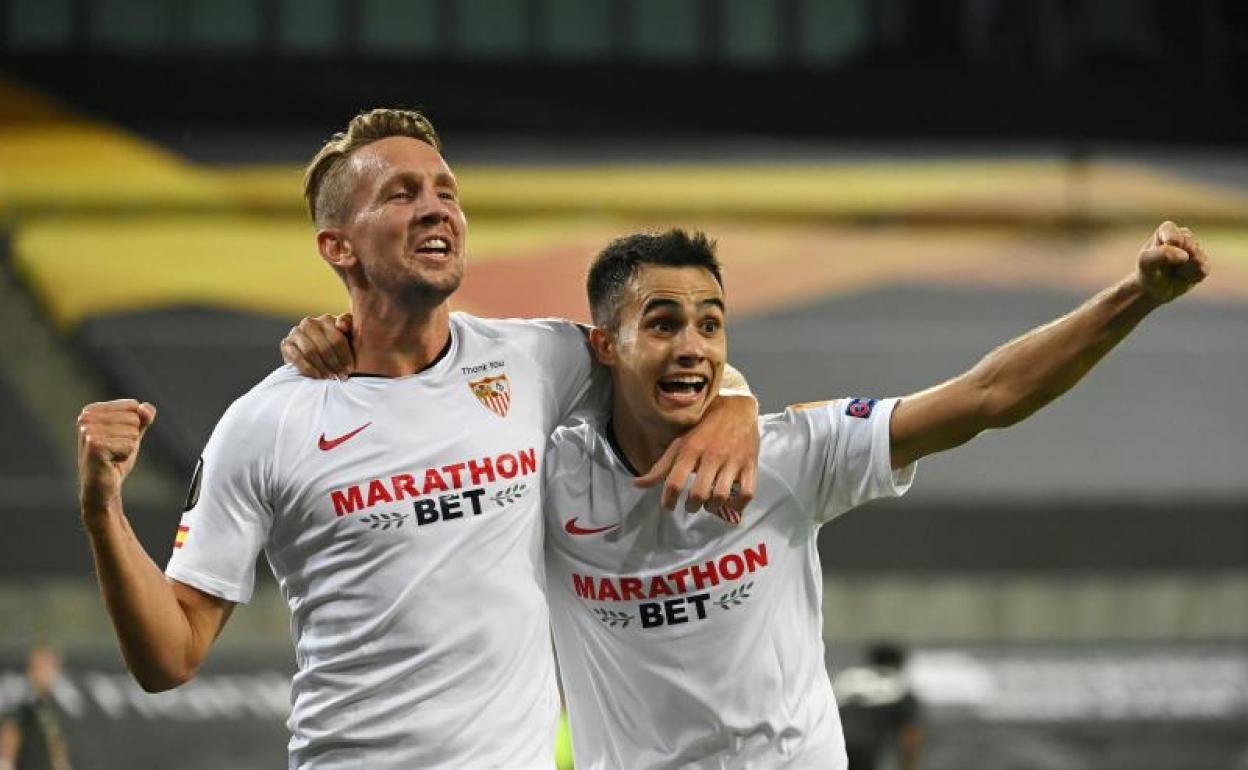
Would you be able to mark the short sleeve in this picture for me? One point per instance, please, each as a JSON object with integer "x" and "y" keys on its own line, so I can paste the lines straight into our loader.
{"x": 228, "y": 511}
{"x": 579, "y": 387}
{"x": 836, "y": 455}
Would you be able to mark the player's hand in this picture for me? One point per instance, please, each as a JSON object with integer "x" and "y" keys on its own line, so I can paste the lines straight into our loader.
{"x": 1171, "y": 262}
{"x": 109, "y": 434}
{"x": 720, "y": 454}
{"x": 321, "y": 347}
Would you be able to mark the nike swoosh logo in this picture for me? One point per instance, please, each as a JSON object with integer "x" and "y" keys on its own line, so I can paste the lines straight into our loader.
{"x": 327, "y": 444}
{"x": 572, "y": 529}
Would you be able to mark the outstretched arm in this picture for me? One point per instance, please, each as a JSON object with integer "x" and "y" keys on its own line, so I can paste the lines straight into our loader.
{"x": 164, "y": 627}
{"x": 1016, "y": 379}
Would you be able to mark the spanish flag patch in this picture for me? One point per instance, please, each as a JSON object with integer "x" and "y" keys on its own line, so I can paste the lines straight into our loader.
{"x": 184, "y": 530}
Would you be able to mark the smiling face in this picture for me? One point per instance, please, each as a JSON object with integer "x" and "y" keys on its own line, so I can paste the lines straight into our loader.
{"x": 667, "y": 349}
{"x": 405, "y": 233}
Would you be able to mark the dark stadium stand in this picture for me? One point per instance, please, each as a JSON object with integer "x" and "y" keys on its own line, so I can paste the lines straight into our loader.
{"x": 38, "y": 502}
{"x": 190, "y": 362}
{"x": 27, "y": 458}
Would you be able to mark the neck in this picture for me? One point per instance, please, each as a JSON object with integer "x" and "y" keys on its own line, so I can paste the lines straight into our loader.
{"x": 395, "y": 339}
{"x": 641, "y": 443}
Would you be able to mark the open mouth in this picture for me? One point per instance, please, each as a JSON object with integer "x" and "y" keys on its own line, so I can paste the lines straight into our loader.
{"x": 685, "y": 388}
{"x": 434, "y": 247}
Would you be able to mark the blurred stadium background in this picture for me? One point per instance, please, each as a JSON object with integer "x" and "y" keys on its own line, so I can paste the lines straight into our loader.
{"x": 896, "y": 185}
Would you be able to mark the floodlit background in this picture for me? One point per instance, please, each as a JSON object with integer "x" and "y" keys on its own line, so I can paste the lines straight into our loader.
{"x": 896, "y": 186}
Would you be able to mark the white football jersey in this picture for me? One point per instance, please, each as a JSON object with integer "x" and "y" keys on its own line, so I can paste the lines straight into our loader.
{"x": 402, "y": 519}
{"x": 685, "y": 642}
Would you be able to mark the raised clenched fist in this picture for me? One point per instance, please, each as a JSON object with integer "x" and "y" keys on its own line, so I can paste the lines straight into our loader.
{"x": 109, "y": 434}
{"x": 1171, "y": 262}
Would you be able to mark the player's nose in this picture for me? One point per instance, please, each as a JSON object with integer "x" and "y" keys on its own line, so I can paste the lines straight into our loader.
{"x": 432, "y": 209}
{"x": 690, "y": 346}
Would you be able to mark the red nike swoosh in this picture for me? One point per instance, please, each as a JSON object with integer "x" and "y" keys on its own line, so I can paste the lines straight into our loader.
{"x": 327, "y": 444}
{"x": 572, "y": 529}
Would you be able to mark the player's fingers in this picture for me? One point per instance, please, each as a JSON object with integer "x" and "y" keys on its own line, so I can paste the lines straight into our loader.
{"x": 329, "y": 343}
{"x": 683, "y": 470}
{"x": 113, "y": 421}
{"x": 345, "y": 324}
{"x": 119, "y": 412}
{"x": 314, "y": 365}
{"x": 673, "y": 469}
{"x": 1202, "y": 259}
{"x": 339, "y": 351}
{"x": 723, "y": 499}
{"x": 292, "y": 355}
{"x": 745, "y": 488}
{"x": 1194, "y": 248}
{"x": 660, "y": 469}
{"x": 128, "y": 416}
{"x": 1167, "y": 233}
{"x": 1187, "y": 241}
{"x": 721, "y": 492}
{"x": 109, "y": 435}
{"x": 1161, "y": 257}
{"x": 702, "y": 486}
{"x": 109, "y": 407}
{"x": 1191, "y": 271}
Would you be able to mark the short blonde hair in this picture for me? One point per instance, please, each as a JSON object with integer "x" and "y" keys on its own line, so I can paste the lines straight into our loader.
{"x": 325, "y": 185}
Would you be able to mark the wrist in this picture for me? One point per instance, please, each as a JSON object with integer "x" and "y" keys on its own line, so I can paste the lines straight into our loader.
{"x": 1135, "y": 296}
{"x": 97, "y": 510}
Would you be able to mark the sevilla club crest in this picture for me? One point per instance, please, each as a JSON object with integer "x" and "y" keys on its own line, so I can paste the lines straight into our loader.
{"x": 493, "y": 392}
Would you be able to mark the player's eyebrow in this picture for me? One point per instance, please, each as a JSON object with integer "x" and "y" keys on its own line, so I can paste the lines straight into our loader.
{"x": 659, "y": 303}
{"x": 663, "y": 303}
{"x": 440, "y": 179}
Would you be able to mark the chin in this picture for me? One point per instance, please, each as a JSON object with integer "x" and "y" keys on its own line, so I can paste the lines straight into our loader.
{"x": 681, "y": 420}
{"x": 437, "y": 287}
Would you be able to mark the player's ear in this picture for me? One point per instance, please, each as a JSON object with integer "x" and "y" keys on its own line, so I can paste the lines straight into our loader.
{"x": 603, "y": 344}
{"x": 334, "y": 247}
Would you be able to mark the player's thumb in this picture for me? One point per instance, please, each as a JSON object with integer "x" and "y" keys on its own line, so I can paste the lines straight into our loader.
{"x": 1168, "y": 232}
{"x": 147, "y": 416}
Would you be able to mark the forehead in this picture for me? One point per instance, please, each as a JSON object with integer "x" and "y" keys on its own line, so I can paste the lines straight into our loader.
{"x": 394, "y": 155}
{"x": 686, "y": 284}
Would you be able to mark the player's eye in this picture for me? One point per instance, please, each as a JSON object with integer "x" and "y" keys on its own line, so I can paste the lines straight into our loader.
{"x": 401, "y": 195}
{"x": 710, "y": 325}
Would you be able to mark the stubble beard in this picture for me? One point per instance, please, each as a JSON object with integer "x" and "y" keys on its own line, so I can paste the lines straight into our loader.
{"x": 417, "y": 289}
{"x": 422, "y": 292}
